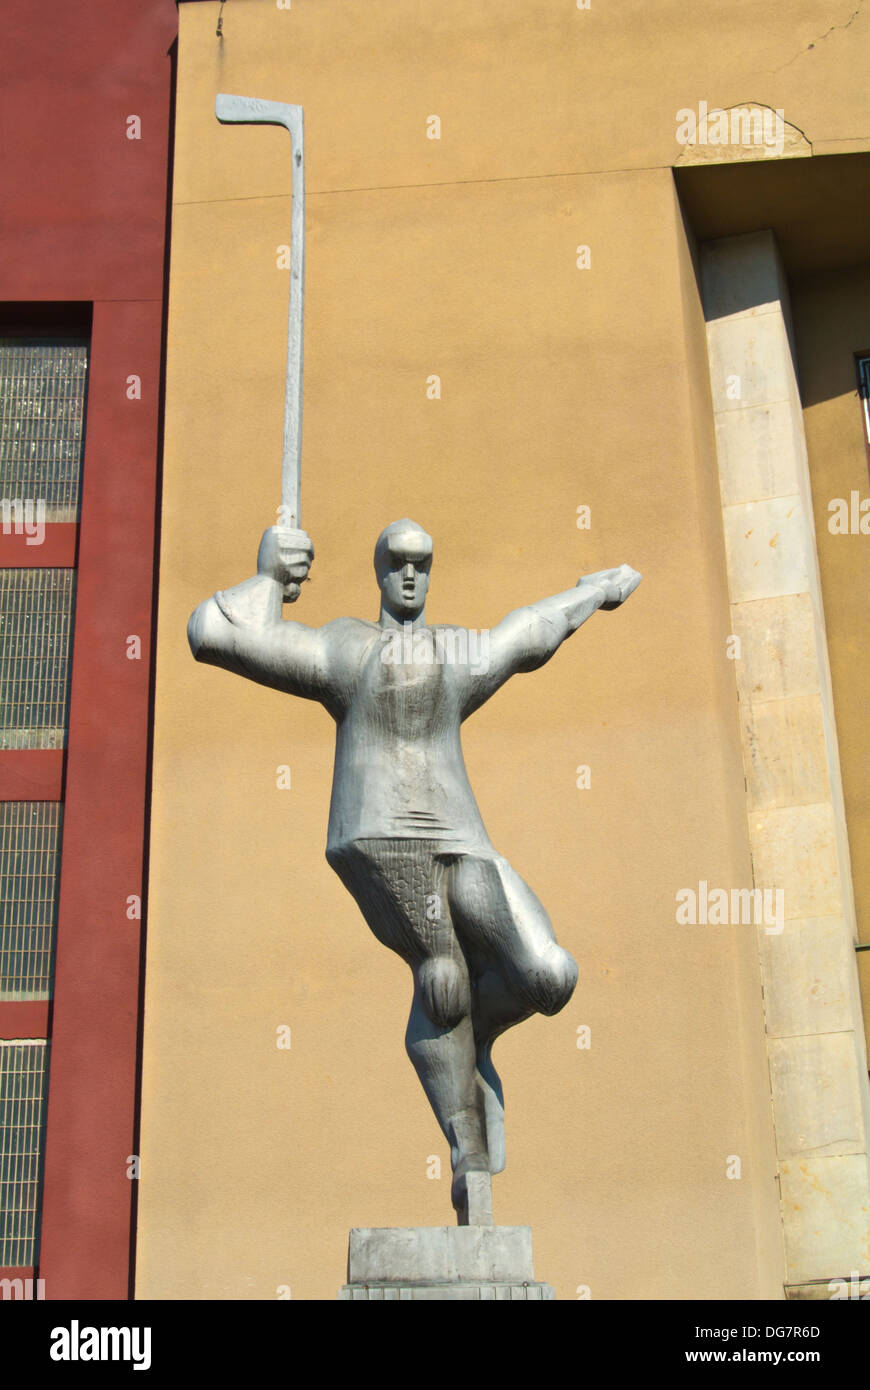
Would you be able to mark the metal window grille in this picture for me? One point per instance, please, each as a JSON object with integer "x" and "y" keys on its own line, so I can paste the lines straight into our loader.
{"x": 30, "y": 839}
{"x": 23, "y": 1074}
{"x": 36, "y": 614}
{"x": 864, "y": 391}
{"x": 43, "y": 386}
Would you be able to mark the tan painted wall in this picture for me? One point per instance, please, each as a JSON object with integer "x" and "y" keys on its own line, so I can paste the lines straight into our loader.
{"x": 832, "y": 323}
{"x": 560, "y": 387}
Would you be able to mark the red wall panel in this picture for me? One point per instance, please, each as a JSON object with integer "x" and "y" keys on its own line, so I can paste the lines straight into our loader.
{"x": 92, "y": 1081}
{"x": 84, "y": 219}
{"x": 31, "y": 774}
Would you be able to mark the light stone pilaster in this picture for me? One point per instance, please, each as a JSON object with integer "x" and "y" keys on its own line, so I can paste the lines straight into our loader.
{"x": 797, "y": 825}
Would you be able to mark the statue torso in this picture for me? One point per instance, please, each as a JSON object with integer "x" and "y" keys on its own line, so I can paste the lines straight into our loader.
{"x": 399, "y": 769}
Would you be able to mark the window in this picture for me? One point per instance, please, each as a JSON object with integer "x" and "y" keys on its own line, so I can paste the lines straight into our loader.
{"x": 43, "y": 383}
{"x": 863, "y": 365}
{"x": 30, "y": 834}
{"x": 23, "y": 1069}
{"x": 36, "y": 617}
{"x": 43, "y": 386}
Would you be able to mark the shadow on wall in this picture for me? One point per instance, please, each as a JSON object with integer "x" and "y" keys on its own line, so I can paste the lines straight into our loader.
{"x": 818, "y": 209}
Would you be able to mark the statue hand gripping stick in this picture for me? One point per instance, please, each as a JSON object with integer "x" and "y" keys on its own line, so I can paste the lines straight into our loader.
{"x": 405, "y": 834}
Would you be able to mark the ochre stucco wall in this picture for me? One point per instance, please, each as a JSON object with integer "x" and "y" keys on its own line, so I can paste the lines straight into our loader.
{"x": 559, "y": 387}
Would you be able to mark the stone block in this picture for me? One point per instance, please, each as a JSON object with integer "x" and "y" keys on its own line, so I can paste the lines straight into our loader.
{"x": 766, "y": 544}
{"x": 794, "y": 848}
{"x": 815, "y": 1095}
{"x": 785, "y": 756}
{"x": 779, "y": 656}
{"x": 807, "y": 970}
{"x": 468, "y": 1263}
{"x": 826, "y": 1209}
{"x": 750, "y": 362}
{"x": 759, "y": 456}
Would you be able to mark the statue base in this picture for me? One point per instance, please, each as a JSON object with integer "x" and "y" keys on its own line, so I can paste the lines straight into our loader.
{"x": 442, "y": 1262}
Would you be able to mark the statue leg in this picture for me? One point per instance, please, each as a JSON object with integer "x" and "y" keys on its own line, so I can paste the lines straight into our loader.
{"x": 517, "y": 967}
{"x": 441, "y": 1045}
{"x": 400, "y": 886}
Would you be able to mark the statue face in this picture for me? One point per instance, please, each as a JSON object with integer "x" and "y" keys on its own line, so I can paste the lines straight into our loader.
{"x": 404, "y": 580}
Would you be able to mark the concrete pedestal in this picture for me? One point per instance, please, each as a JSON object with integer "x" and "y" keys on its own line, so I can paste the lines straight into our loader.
{"x": 442, "y": 1262}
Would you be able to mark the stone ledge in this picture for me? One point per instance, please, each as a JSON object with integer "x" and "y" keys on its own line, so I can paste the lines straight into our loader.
{"x": 468, "y": 1292}
{"x": 848, "y": 1286}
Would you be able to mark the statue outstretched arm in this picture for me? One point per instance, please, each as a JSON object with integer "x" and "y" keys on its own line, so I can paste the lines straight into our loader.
{"x": 528, "y": 637}
{"x": 242, "y": 629}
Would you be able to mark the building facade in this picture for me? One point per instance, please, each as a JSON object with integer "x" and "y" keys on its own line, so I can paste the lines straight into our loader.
{"x": 573, "y": 299}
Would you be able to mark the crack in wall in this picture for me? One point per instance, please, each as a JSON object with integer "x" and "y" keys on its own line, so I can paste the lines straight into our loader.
{"x": 820, "y": 38}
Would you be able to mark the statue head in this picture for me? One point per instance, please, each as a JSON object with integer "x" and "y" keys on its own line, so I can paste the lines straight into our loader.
{"x": 403, "y": 558}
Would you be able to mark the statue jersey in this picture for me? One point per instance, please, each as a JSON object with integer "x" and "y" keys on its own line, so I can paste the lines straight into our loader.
{"x": 398, "y": 700}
